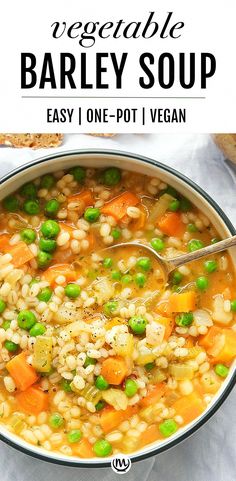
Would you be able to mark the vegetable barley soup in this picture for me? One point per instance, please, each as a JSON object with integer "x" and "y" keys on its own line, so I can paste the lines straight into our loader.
{"x": 98, "y": 355}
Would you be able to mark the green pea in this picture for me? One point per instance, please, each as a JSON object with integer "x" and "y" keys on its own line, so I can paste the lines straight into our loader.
{"x": 176, "y": 278}
{"x": 47, "y": 181}
{"x": 6, "y": 325}
{"x": 168, "y": 427}
{"x": 50, "y": 229}
{"x": 11, "y": 346}
{"x": 26, "y": 320}
{"x": 101, "y": 383}
{"x": 202, "y": 283}
{"x": 116, "y": 233}
{"x": 72, "y": 291}
{"x": 51, "y": 208}
{"x": 43, "y": 258}
{"x": 11, "y": 203}
{"x": 102, "y": 448}
{"x": 89, "y": 361}
{"x": 31, "y": 207}
{"x": 192, "y": 228}
{"x": 116, "y": 275}
{"x": 47, "y": 245}
{"x": 65, "y": 385}
{"x": 185, "y": 319}
{"x": 28, "y": 235}
{"x": 140, "y": 279}
{"x": 185, "y": 205}
{"x": 144, "y": 263}
{"x": 149, "y": 366}
{"x": 107, "y": 262}
{"x": 79, "y": 174}
{"x": 29, "y": 190}
{"x": 138, "y": 324}
{"x": 169, "y": 190}
{"x": 157, "y": 244}
{"x": 2, "y": 306}
{"x": 56, "y": 420}
{"x": 110, "y": 308}
{"x": 92, "y": 214}
{"x": 111, "y": 176}
{"x": 194, "y": 245}
{"x": 126, "y": 279}
{"x": 37, "y": 330}
{"x": 174, "y": 205}
{"x": 45, "y": 294}
{"x": 210, "y": 266}
{"x": 100, "y": 405}
{"x": 74, "y": 436}
{"x": 233, "y": 305}
{"x": 131, "y": 387}
{"x": 221, "y": 370}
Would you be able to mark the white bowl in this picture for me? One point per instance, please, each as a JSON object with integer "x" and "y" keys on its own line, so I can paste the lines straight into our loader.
{"x": 124, "y": 160}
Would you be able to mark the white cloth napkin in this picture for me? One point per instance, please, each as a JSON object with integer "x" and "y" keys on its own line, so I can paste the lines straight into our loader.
{"x": 210, "y": 454}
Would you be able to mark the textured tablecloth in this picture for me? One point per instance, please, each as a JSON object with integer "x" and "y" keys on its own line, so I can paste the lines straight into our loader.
{"x": 210, "y": 454}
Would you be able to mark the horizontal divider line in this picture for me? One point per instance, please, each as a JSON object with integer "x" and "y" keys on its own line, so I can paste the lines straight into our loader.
{"x": 99, "y": 97}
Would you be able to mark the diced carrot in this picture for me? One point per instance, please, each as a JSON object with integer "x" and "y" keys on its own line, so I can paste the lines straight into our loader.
{"x": 110, "y": 418}
{"x": 220, "y": 344}
{"x": 184, "y": 302}
{"x": 4, "y": 242}
{"x": 189, "y": 407}
{"x": 23, "y": 374}
{"x": 114, "y": 370}
{"x": 33, "y": 400}
{"x": 227, "y": 353}
{"x": 171, "y": 224}
{"x": 150, "y": 435}
{"x": 117, "y": 207}
{"x": 168, "y": 322}
{"x": 85, "y": 196}
{"x": 53, "y": 272}
{"x": 209, "y": 339}
{"x": 154, "y": 394}
{"x": 83, "y": 449}
{"x": 20, "y": 254}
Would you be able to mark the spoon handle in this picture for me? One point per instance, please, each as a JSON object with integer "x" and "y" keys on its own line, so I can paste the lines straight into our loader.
{"x": 205, "y": 251}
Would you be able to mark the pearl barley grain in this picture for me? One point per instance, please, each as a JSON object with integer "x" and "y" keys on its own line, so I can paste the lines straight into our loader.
{"x": 133, "y": 212}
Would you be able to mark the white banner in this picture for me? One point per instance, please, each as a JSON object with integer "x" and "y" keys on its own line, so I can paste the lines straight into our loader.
{"x": 166, "y": 66}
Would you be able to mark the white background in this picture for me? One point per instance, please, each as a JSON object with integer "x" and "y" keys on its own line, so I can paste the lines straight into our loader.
{"x": 209, "y": 27}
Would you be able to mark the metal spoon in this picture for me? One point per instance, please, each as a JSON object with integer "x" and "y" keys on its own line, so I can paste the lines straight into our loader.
{"x": 168, "y": 265}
